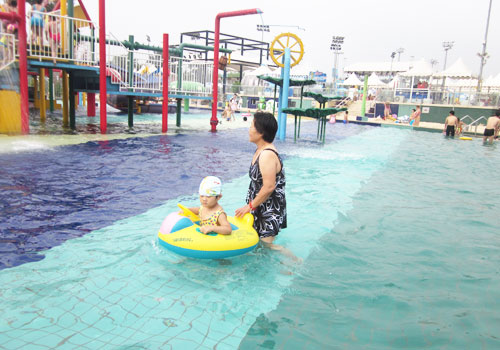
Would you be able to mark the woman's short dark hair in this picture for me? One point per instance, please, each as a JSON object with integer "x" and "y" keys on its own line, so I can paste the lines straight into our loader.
{"x": 265, "y": 124}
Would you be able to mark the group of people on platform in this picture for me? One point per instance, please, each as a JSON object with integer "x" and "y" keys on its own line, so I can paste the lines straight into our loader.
{"x": 41, "y": 27}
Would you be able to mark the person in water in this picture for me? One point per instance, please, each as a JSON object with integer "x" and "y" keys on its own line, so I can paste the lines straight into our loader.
{"x": 450, "y": 124}
{"x": 266, "y": 194}
{"x": 492, "y": 127}
{"x": 212, "y": 216}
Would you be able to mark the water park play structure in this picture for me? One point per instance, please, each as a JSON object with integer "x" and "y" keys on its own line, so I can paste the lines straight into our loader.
{"x": 91, "y": 61}
{"x": 129, "y": 75}
{"x": 181, "y": 234}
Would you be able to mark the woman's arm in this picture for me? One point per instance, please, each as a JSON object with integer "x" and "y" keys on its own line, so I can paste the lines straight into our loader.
{"x": 268, "y": 164}
{"x": 223, "y": 227}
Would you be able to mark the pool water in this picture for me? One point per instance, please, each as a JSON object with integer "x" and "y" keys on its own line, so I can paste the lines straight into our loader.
{"x": 397, "y": 229}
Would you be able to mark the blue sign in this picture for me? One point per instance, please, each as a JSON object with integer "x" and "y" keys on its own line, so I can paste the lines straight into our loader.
{"x": 317, "y": 76}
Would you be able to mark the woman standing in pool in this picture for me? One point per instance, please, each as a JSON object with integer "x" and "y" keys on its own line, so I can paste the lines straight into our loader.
{"x": 266, "y": 193}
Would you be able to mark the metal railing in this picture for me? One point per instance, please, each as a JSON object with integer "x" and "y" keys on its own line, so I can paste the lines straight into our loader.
{"x": 7, "y": 48}
{"x": 475, "y": 123}
{"x": 190, "y": 76}
{"x": 57, "y": 37}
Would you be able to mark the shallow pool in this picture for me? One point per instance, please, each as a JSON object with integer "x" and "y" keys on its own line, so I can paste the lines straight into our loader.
{"x": 398, "y": 231}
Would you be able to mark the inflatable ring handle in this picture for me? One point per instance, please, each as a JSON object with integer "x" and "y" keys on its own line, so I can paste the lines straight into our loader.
{"x": 188, "y": 213}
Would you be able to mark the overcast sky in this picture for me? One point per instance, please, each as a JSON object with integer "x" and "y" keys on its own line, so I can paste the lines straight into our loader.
{"x": 372, "y": 28}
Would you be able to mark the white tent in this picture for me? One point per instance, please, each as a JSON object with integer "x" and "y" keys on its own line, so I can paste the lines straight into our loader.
{"x": 352, "y": 80}
{"x": 456, "y": 70}
{"x": 420, "y": 69}
{"x": 374, "y": 80}
{"x": 492, "y": 82}
{"x": 394, "y": 82}
{"x": 250, "y": 77}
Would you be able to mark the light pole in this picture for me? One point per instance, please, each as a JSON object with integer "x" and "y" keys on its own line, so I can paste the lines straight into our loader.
{"x": 262, "y": 28}
{"x": 447, "y": 45}
{"x": 433, "y": 63}
{"x": 483, "y": 55}
{"x": 393, "y": 54}
{"x": 336, "y": 46}
{"x": 400, "y": 51}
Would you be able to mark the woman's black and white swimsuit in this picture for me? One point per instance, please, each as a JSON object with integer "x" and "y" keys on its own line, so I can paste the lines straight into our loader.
{"x": 270, "y": 216}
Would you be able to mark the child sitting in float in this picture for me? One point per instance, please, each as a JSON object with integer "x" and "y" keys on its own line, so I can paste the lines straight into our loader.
{"x": 212, "y": 216}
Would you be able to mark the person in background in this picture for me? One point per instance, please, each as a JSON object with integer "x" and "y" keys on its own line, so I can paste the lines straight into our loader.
{"x": 37, "y": 23}
{"x": 412, "y": 116}
{"x": 460, "y": 127}
{"x": 346, "y": 117}
{"x": 492, "y": 127}
{"x": 450, "y": 124}
{"x": 387, "y": 110}
{"x": 418, "y": 112}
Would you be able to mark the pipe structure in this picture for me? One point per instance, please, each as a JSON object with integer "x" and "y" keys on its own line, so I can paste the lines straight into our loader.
{"x": 174, "y": 51}
{"x": 214, "y": 120}
{"x": 164, "y": 107}
{"x": 102, "y": 66}
{"x": 23, "y": 67}
{"x": 284, "y": 96}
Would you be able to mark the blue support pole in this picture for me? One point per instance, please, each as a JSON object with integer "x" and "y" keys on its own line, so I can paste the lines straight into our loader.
{"x": 284, "y": 96}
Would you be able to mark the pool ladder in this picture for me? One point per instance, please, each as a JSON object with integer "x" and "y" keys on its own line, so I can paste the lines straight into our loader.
{"x": 474, "y": 123}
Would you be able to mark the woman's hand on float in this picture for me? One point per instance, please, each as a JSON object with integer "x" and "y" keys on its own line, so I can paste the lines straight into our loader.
{"x": 242, "y": 211}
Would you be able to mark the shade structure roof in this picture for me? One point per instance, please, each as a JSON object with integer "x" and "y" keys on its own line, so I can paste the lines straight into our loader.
{"x": 374, "y": 80}
{"x": 293, "y": 82}
{"x": 352, "y": 80}
{"x": 420, "y": 69}
{"x": 457, "y": 70}
{"x": 313, "y": 112}
{"x": 321, "y": 98}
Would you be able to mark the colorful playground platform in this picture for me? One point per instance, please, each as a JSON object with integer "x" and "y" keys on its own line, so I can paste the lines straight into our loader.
{"x": 89, "y": 61}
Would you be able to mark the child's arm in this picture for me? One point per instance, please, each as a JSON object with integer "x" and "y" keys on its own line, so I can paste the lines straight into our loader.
{"x": 195, "y": 210}
{"x": 223, "y": 227}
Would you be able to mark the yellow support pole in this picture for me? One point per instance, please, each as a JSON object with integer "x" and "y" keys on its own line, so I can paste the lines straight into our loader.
{"x": 65, "y": 99}
{"x": 43, "y": 106}
{"x": 64, "y": 13}
{"x": 36, "y": 102}
{"x": 84, "y": 98}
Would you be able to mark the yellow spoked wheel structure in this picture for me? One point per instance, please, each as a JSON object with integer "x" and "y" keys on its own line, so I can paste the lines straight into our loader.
{"x": 283, "y": 41}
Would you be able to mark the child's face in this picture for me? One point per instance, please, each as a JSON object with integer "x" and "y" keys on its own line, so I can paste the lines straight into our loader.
{"x": 209, "y": 201}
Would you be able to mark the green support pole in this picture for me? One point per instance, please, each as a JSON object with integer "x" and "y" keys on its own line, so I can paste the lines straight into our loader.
{"x": 72, "y": 116}
{"x": 131, "y": 112}
{"x": 178, "y": 111}
{"x": 130, "y": 83}
{"x": 365, "y": 89}
{"x": 51, "y": 90}
{"x": 71, "y": 13}
{"x": 186, "y": 105}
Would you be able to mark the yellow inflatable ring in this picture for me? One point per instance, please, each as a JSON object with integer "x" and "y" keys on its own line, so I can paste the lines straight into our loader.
{"x": 465, "y": 138}
{"x": 180, "y": 233}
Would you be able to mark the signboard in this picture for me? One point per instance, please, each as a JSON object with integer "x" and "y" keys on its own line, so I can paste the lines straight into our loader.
{"x": 317, "y": 76}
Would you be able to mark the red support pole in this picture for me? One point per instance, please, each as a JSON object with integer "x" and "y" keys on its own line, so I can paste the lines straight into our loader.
{"x": 91, "y": 104}
{"x": 215, "y": 85}
{"x": 23, "y": 67}
{"x": 164, "y": 110}
{"x": 102, "y": 65}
